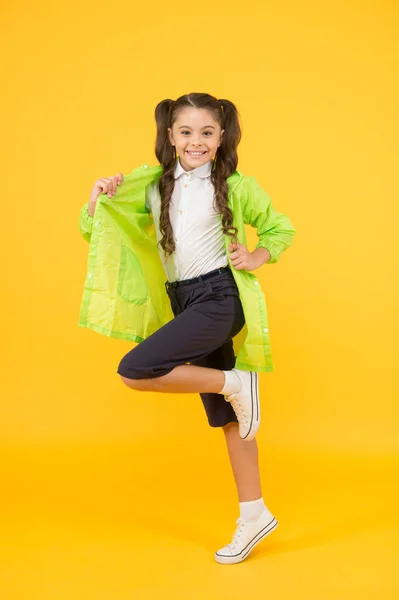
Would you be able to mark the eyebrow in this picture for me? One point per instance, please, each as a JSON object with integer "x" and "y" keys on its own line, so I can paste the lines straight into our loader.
{"x": 188, "y": 127}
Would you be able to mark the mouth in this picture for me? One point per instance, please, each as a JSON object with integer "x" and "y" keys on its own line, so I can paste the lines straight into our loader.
{"x": 196, "y": 154}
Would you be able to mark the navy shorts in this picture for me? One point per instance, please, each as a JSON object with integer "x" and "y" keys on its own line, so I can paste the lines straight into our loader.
{"x": 208, "y": 314}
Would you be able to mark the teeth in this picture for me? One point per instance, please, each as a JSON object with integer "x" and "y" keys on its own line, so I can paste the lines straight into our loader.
{"x": 196, "y": 153}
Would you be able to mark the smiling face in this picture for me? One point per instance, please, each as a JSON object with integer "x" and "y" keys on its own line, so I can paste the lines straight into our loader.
{"x": 196, "y": 136}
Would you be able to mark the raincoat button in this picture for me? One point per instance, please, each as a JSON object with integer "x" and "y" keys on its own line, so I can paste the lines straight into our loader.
{"x": 265, "y": 330}
{"x": 145, "y": 166}
{"x": 89, "y": 275}
{"x": 256, "y": 282}
{"x": 96, "y": 223}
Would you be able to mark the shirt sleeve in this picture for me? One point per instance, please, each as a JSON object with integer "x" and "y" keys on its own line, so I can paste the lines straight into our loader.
{"x": 274, "y": 229}
{"x": 85, "y": 222}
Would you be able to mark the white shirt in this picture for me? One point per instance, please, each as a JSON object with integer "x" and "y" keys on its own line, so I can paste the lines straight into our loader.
{"x": 197, "y": 226}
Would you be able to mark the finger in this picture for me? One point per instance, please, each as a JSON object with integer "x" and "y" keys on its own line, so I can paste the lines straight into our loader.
{"x": 103, "y": 184}
{"x": 109, "y": 182}
{"x": 240, "y": 264}
{"x": 237, "y": 253}
{"x": 114, "y": 185}
{"x": 120, "y": 178}
{"x": 236, "y": 261}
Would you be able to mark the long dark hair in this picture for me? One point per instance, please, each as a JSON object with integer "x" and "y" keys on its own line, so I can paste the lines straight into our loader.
{"x": 224, "y": 163}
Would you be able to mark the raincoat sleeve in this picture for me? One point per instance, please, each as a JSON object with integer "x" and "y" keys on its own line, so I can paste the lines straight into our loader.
{"x": 275, "y": 230}
{"x": 85, "y": 222}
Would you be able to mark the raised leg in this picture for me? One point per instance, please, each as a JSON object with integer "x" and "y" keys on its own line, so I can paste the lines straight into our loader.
{"x": 182, "y": 379}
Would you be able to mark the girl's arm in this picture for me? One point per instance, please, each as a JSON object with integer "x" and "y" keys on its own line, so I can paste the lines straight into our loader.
{"x": 106, "y": 185}
{"x": 275, "y": 230}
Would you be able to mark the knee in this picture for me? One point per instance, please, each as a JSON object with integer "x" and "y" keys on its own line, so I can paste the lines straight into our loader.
{"x": 134, "y": 384}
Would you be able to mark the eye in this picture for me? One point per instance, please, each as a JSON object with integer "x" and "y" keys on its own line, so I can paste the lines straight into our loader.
{"x": 205, "y": 133}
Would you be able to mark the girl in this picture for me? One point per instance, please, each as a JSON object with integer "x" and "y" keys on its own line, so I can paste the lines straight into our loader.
{"x": 190, "y": 212}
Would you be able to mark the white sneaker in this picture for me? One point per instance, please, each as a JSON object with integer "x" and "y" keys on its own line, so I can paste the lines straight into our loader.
{"x": 247, "y": 535}
{"x": 246, "y": 404}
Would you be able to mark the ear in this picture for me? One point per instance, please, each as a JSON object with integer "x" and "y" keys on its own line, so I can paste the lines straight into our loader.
{"x": 221, "y": 137}
{"x": 170, "y": 136}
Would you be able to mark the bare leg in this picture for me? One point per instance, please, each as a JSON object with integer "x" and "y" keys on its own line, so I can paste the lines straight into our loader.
{"x": 184, "y": 379}
{"x": 244, "y": 462}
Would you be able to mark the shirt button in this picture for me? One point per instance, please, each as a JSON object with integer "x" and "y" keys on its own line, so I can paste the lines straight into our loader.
{"x": 186, "y": 185}
{"x": 181, "y": 212}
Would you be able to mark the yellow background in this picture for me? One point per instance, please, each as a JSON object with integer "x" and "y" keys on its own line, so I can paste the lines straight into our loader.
{"x": 107, "y": 493}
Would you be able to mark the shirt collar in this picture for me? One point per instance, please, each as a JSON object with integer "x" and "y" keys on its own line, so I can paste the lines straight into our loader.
{"x": 203, "y": 171}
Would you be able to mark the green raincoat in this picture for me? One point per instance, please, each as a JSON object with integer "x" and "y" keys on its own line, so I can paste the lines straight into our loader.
{"x": 124, "y": 292}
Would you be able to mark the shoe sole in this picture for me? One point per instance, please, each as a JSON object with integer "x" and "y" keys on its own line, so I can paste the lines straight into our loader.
{"x": 254, "y": 426}
{"x": 237, "y": 558}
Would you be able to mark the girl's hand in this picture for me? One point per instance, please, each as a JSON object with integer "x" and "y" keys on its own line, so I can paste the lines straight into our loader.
{"x": 106, "y": 185}
{"x": 242, "y": 258}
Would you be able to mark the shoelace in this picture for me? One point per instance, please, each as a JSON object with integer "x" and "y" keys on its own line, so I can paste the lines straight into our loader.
{"x": 242, "y": 416}
{"x": 237, "y": 535}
